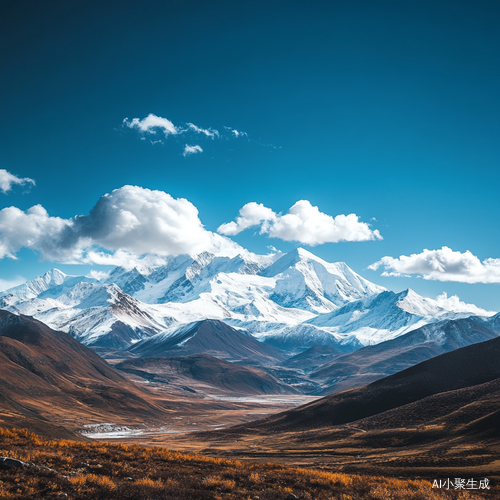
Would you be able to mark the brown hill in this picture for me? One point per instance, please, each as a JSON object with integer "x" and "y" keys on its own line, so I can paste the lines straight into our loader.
{"x": 47, "y": 378}
{"x": 205, "y": 373}
{"x": 465, "y": 367}
{"x": 213, "y": 337}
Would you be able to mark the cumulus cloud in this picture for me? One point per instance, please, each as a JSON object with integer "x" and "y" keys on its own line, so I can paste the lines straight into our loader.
{"x": 33, "y": 229}
{"x": 151, "y": 123}
{"x": 454, "y": 304}
{"x": 7, "y": 180}
{"x": 191, "y": 150}
{"x": 251, "y": 214}
{"x": 442, "y": 265}
{"x": 128, "y": 222}
{"x": 303, "y": 223}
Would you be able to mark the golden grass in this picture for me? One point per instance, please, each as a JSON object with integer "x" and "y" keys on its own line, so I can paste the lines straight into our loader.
{"x": 105, "y": 471}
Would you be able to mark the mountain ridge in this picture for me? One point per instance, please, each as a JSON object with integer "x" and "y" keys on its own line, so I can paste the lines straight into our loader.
{"x": 291, "y": 301}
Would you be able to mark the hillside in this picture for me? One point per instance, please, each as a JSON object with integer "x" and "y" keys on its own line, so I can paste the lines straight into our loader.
{"x": 465, "y": 367}
{"x": 212, "y": 337}
{"x": 206, "y": 374}
{"x": 438, "y": 418}
{"x": 49, "y": 379}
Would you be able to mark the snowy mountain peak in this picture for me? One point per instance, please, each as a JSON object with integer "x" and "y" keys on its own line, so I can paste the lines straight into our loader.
{"x": 297, "y": 296}
{"x": 33, "y": 288}
{"x": 288, "y": 260}
{"x": 304, "y": 254}
{"x": 410, "y": 301}
{"x": 308, "y": 282}
{"x": 54, "y": 277}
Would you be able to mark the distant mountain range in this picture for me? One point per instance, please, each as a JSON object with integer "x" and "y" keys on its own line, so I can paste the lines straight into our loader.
{"x": 377, "y": 361}
{"x": 452, "y": 389}
{"x": 212, "y": 337}
{"x": 290, "y": 301}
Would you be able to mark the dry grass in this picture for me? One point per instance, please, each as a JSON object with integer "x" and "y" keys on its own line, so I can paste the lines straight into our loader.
{"x": 97, "y": 471}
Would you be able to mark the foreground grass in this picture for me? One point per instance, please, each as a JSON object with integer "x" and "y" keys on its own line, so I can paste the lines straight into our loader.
{"x": 103, "y": 471}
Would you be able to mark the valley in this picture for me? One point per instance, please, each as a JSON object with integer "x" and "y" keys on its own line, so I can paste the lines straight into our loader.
{"x": 286, "y": 359}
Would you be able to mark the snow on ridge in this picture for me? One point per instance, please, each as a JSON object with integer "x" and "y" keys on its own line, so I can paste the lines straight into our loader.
{"x": 296, "y": 296}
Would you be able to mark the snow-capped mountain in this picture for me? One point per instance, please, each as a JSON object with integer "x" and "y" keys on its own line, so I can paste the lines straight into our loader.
{"x": 377, "y": 361}
{"x": 292, "y": 300}
{"x": 92, "y": 312}
{"x": 385, "y": 316}
{"x": 307, "y": 282}
{"x": 51, "y": 284}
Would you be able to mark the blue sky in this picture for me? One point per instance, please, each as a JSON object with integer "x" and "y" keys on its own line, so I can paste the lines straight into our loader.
{"x": 388, "y": 110}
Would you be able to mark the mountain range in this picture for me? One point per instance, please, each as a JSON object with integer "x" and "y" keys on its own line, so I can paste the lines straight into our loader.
{"x": 470, "y": 366}
{"x": 290, "y": 301}
{"x": 377, "y": 361}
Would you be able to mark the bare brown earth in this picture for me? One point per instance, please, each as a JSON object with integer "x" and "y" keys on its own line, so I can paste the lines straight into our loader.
{"x": 49, "y": 382}
{"x": 415, "y": 451}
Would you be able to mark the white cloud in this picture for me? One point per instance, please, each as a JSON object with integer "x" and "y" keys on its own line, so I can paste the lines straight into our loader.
{"x": 251, "y": 214}
{"x": 152, "y": 122}
{"x": 208, "y": 132}
{"x": 191, "y": 150}
{"x": 236, "y": 133}
{"x": 7, "y": 180}
{"x": 442, "y": 265}
{"x": 33, "y": 229}
{"x": 454, "y": 304}
{"x": 303, "y": 223}
{"x": 128, "y": 222}
{"x": 98, "y": 275}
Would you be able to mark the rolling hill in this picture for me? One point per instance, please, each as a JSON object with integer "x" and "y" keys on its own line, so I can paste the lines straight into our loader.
{"x": 206, "y": 374}
{"x": 49, "y": 379}
{"x": 213, "y": 337}
{"x": 462, "y": 368}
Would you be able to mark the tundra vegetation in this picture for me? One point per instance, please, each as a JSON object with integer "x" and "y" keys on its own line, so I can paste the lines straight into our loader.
{"x": 105, "y": 471}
